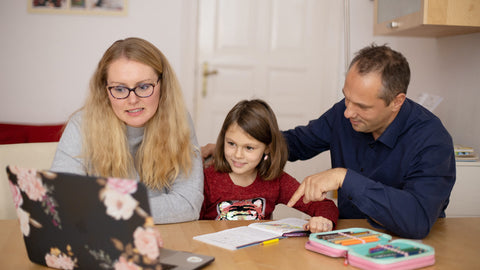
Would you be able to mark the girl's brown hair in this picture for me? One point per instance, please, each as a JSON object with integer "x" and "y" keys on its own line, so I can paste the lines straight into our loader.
{"x": 257, "y": 119}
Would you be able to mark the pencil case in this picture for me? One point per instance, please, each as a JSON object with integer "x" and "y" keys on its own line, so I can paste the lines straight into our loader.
{"x": 368, "y": 249}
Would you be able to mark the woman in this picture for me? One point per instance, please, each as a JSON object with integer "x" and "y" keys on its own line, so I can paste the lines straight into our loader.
{"x": 135, "y": 125}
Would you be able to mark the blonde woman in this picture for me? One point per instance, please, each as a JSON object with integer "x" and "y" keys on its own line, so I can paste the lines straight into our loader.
{"x": 135, "y": 125}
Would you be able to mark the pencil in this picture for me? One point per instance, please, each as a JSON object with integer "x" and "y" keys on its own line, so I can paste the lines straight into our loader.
{"x": 269, "y": 242}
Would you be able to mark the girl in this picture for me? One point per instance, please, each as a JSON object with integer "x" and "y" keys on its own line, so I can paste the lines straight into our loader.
{"x": 247, "y": 180}
{"x": 135, "y": 125}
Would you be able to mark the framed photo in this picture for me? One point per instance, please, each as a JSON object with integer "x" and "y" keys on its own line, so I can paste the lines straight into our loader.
{"x": 96, "y": 7}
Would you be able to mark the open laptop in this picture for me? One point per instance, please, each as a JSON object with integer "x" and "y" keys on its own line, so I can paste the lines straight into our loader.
{"x": 71, "y": 221}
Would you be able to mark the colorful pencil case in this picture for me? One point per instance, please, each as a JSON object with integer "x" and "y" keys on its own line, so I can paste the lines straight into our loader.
{"x": 368, "y": 249}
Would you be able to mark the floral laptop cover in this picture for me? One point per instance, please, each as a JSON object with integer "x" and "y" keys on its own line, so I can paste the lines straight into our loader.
{"x": 71, "y": 221}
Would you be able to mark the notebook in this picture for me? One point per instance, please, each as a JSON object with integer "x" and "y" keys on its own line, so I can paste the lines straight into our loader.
{"x": 71, "y": 221}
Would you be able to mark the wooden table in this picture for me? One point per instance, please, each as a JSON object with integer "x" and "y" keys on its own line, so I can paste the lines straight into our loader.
{"x": 456, "y": 242}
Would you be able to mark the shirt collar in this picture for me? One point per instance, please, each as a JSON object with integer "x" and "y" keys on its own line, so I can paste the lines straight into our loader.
{"x": 390, "y": 135}
{"x": 135, "y": 138}
{"x": 134, "y": 132}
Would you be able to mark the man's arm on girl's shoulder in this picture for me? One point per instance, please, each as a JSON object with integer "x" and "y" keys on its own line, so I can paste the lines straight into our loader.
{"x": 207, "y": 154}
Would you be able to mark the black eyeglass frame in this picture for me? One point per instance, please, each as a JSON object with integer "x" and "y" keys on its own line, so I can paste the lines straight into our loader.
{"x": 109, "y": 88}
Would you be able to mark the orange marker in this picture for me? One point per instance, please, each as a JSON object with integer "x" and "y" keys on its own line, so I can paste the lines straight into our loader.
{"x": 359, "y": 241}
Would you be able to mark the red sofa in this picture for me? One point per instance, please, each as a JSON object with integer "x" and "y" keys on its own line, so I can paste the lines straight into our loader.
{"x": 21, "y": 133}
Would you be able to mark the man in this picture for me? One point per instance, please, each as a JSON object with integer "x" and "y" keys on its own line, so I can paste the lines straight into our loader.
{"x": 392, "y": 160}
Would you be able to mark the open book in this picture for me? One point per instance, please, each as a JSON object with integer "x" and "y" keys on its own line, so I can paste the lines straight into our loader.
{"x": 255, "y": 233}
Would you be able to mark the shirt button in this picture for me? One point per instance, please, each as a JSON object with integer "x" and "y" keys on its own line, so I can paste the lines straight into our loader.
{"x": 361, "y": 169}
{"x": 349, "y": 198}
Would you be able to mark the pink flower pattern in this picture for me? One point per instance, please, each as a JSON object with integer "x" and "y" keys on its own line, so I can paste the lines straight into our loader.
{"x": 123, "y": 264}
{"x": 147, "y": 242}
{"x": 117, "y": 198}
{"x": 30, "y": 182}
{"x": 59, "y": 260}
{"x": 116, "y": 195}
{"x": 31, "y": 185}
{"x": 17, "y": 196}
{"x": 24, "y": 219}
{"x": 119, "y": 205}
{"x": 122, "y": 185}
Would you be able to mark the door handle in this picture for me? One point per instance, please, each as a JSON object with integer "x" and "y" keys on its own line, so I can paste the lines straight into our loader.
{"x": 206, "y": 72}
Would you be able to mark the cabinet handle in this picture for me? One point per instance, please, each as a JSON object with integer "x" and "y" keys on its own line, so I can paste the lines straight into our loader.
{"x": 393, "y": 24}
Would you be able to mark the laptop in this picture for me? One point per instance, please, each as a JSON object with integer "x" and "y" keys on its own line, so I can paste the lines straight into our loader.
{"x": 72, "y": 221}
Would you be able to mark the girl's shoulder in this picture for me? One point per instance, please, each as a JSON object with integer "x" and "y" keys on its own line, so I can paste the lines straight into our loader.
{"x": 288, "y": 182}
{"x": 210, "y": 169}
{"x": 210, "y": 172}
{"x": 284, "y": 177}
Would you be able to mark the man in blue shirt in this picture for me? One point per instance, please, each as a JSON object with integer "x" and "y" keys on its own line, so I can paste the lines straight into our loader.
{"x": 392, "y": 160}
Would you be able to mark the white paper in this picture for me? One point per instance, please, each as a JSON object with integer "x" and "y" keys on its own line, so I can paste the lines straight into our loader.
{"x": 280, "y": 226}
{"x": 236, "y": 237}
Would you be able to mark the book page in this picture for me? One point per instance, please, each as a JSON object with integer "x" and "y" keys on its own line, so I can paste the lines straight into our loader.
{"x": 236, "y": 238}
{"x": 281, "y": 226}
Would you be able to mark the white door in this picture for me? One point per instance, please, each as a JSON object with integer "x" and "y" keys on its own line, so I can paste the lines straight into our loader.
{"x": 287, "y": 52}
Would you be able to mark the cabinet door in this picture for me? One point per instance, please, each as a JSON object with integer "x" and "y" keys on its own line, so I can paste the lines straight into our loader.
{"x": 464, "y": 199}
{"x": 390, "y": 10}
{"x": 426, "y": 18}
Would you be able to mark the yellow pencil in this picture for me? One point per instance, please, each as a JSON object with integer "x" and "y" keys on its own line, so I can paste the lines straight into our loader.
{"x": 269, "y": 242}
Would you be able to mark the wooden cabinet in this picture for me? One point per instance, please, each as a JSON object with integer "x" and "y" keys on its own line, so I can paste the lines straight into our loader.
{"x": 426, "y": 18}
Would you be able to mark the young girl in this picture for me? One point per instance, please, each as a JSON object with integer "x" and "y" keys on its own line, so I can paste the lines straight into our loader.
{"x": 247, "y": 180}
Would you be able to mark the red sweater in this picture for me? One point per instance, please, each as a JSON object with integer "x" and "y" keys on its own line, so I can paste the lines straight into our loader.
{"x": 225, "y": 200}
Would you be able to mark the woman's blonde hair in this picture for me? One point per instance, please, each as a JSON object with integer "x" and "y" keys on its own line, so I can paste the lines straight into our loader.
{"x": 166, "y": 148}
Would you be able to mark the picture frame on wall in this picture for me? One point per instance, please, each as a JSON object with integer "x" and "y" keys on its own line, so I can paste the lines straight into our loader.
{"x": 94, "y": 7}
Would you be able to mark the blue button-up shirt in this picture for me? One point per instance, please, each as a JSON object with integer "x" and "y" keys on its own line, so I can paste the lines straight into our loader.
{"x": 401, "y": 181}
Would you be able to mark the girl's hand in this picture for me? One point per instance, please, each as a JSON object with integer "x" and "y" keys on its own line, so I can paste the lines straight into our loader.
{"x": 318, "y": 224}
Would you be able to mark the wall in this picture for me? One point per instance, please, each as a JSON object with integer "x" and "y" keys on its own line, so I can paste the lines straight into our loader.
{"x": 48, "y": 59}
{"x": 448, "y": 67}
{"x": 459, "y": 82}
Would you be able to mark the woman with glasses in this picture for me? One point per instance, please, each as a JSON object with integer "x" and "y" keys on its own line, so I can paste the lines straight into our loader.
{"x": 135, "y": 125}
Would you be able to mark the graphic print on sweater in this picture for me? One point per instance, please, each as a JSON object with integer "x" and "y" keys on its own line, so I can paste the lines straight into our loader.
{"x": 251, "y": 209}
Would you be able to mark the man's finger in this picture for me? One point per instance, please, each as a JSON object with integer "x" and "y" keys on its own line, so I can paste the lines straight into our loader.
{"x": 297, "y": 195}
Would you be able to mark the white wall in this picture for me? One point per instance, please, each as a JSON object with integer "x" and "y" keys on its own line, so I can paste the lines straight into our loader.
{"x": 448, "y": 67}
{"x": 459, "y": 82}
{"x": 47, "y": 59}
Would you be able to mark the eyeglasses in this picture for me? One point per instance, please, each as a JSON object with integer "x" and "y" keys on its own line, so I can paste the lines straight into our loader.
{"x": 143, "y": 90}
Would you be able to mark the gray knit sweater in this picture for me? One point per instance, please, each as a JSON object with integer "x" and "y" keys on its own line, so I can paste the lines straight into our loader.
{"x": 181, "y": 202}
